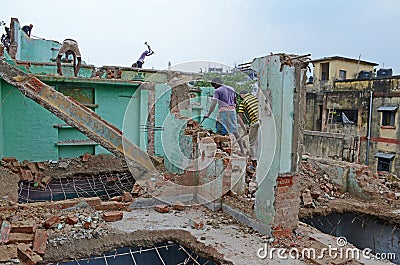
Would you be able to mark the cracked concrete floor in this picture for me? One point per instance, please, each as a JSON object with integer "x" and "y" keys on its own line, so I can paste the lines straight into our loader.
{"x": 237, "y": 243}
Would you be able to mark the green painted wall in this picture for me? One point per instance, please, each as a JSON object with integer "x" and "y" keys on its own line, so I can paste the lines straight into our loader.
{"x": 28, "y": 131}
{"x": 36, "y": 50}
{"x": 162, "y": 99}
{"x": 50, "y": 69}
{"x": 32, "y": 49}
{"x": 112, "y": 106}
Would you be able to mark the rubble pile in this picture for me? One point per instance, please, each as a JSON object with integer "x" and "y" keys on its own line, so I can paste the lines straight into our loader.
{"x": 226, "y": 147}
{"x": 317, "y": 186}
{"x": 41, "y": 173}
{"x": 27, "y": 171}
{"x": 27, "y": 229}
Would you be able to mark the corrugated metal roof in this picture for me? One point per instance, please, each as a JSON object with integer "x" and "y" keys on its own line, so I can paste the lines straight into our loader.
{"x": 388, "y": 108}
{"x": 384, "y": 155}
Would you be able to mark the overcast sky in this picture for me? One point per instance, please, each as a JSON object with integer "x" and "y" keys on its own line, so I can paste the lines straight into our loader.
{"x": 225, "y": 31}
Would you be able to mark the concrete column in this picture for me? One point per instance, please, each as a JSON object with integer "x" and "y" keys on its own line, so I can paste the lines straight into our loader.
{"x": 278, "y": 146}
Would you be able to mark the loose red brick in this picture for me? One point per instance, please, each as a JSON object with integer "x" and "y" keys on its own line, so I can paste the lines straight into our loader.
{"x": 93, "y": 201}
{"x": 161, "y": 208}
{"x": 116, "y": 199}
{"x": 46, "y": 180}
{"x": 9, "y": 159}
{"x": 87, "y": 225}
{"x": 61, "y": 204}
{"x": 40, "y": 165}
{"x": 20, "y": 238}
{"x": 282, "y": 233}
{"x": 51, "y": 221}
{"x": 25, "y": 176}
{"x": 71, "y": 220}
{"x": 25, "y": 227}
{"x": 86, "y": 157}
{"x": 5, "y": 232}
{"x": 8, "y": 252}
{"x": 178, "y": 206}
{"x": 113, "y": 216}
{"x": 127, "y": 197}
{"x": 109, "y": 206}
{"x": 32, "y": 168}
{"x": 27, "y": 255}
{"x": 40, "y": 241}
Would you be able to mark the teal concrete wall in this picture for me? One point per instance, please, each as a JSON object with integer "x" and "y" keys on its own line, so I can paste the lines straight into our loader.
{"x": 36, "y": 50}
{"x": 167, "y": 141}
{"x": 276, "y": 130}
{"x": 50, "y": 69}
{"x": 205, "y": 100}
{"x": 28, "y": 131}
{"x": 171, "y": 143}
{"x": 135, "y": 103}
{"x": 162, "y": 100}
{"x": 32, "y": 49}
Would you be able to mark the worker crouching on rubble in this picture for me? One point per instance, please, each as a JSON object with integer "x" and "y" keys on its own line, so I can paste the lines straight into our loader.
{"x": 226, "y": 118}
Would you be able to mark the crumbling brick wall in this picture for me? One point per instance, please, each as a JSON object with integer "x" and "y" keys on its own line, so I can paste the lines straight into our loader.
{"x": 287, "y": 203}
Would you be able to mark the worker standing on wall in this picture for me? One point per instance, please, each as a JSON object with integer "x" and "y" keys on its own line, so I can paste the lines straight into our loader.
{"x": 69, "y": 47}
{"x": 139, "y": 63}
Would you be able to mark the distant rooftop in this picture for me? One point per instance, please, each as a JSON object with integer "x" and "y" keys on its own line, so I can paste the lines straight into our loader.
{"x": 340, "y": 58}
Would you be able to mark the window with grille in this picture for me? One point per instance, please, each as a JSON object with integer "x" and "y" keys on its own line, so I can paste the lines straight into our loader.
{"x": 346, "y": 116}
{"x": 383, "y": 164}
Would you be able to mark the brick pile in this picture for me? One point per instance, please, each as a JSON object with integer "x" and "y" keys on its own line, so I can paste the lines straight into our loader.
{"x": 26, "y": 229}
{"x": 317, "y": 187}
{"x": 27, "y": 171}
{"x": 219, "y": 147}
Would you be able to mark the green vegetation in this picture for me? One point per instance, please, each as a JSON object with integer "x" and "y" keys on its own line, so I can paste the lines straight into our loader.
{"x": 239, "y": 81}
